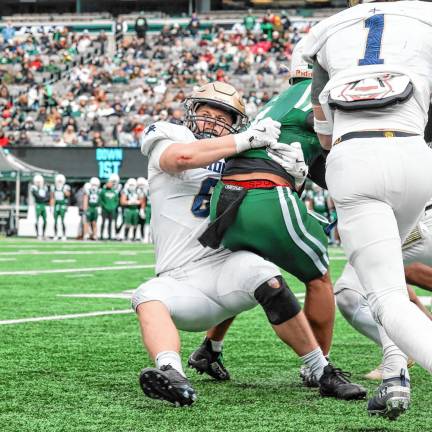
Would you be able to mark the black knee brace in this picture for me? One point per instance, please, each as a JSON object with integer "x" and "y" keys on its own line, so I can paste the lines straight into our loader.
{"x": 279, "y": 304}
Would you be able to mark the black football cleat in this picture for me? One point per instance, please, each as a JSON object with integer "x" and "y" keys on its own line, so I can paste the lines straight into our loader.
{"x": 335, "y": 383}
{"x": 308, "y": 378}
{"x": 167, "y": 384}
{"x": 392, "y": 398}
{"x": 205, "y": 360}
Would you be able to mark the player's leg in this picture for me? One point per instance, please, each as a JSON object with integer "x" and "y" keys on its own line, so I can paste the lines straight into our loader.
{"x": 110, "y": 223}
{"x": 44, "y": 219}
{"x": 55, "y": 217}
{"x": 276, "y": 224}
{"x": 207, "y": 358}
{"x": 246, "y": 279}
{"x": 38, "y": 214}
{"x": 370, "y": 234}
{"x": 419, "y": 274}
{"x": 104, "y": 220}
{"x": 163, "y": 305}
{"x": 319, "y": 308}
{"x": 62, "y": 219}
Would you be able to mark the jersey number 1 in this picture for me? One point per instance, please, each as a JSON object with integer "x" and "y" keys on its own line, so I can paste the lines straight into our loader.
{"x": 375, "y": 24}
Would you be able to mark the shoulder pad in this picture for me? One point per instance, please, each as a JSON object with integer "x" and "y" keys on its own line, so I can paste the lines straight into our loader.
{"x": 164, "y": 131}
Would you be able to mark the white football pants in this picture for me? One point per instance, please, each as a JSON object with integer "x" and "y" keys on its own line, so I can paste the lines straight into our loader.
{"x": 202, "y": 294}
{"x": 380, "y": 187}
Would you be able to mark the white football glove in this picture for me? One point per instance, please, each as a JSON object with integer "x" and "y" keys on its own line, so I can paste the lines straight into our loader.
{"x": 142, "y": 213}
{"x": 263, "y": 133}
{"x": 291, "y": 159}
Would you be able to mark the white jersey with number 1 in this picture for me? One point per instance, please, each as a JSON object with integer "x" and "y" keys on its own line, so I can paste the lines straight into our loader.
{"x": 378, "y": 37}
{"x": 180, "y": 202}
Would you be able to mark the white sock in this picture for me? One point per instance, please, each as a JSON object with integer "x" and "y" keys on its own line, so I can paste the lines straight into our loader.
{"x": 172, "y": 358}
{"x": 316, "y": 361}
{"x": 216, "y": 345}
{"x": 394, "y": 359}
{"x": 409, "y": 328}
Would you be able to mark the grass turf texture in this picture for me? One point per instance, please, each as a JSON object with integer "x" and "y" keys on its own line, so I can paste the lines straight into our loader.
{"x": 81, "y": 374}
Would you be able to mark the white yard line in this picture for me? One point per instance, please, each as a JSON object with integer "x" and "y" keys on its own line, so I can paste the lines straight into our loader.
{"x": 66, "y": 317}
{"x": 75, "y": 252}
{"x": 74, "y": 270}
{"x": 58, "y": 261}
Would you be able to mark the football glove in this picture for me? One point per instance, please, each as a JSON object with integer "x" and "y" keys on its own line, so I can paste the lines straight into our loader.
{"x": 142, "y": 213}
{"x": 263, "y": 133}
{"x": 290, "y": 157}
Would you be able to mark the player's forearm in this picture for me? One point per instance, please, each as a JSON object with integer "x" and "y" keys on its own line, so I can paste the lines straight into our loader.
{"x": 324, "y": 136}
{"x": 181, "y": 157}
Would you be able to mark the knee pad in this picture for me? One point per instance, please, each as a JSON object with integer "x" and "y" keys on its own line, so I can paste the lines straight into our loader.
{"x": 277, "y": 300}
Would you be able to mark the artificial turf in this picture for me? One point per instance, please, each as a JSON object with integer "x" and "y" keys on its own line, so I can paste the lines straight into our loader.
{"x": 82, "y": 374}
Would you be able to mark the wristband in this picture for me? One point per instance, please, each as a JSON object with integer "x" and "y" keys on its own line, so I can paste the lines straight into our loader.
{"x": 323, "y": 127}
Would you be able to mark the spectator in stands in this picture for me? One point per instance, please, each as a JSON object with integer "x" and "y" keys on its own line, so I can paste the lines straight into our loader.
{"x": 141, "y": 26}
{"x": 249, "y": 21}
{"x": 69, "y": 136}
{"x": 8, "y": 32}
{"x": 4, "y": 140}
{"x": 23, "y": 139}
{"x": 194, "y": 25}
{"x": 285, "y": 21}
{"x": 98, "y": 141}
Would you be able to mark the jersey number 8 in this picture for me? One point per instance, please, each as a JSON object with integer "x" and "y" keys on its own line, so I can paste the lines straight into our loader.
{"x": 201, "y": 202}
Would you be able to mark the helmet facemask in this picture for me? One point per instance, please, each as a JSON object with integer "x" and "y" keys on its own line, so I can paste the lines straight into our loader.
{"x": 220, "y": 96}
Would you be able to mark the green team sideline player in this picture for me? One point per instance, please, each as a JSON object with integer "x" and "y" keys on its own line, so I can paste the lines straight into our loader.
{"x": 41, "y": 196}
{"x": 91, "y": 208}
{"x": 256, "y": 206}
{"x": 109, "y": 201}
{"x": 132, "y": 202}
{"x": 59, "y": 201}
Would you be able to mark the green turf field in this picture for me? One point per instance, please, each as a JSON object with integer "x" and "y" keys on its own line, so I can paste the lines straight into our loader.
{"x": 80, "y": 373}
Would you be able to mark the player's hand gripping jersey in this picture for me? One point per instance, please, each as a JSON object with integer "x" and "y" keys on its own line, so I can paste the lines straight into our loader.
{"x": 175, "y": 197}
{"x": 273, "y": 222}
{"x": 293, "y": 109}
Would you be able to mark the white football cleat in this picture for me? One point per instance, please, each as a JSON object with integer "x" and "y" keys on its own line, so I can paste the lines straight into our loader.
{"x": 64, "y": 238}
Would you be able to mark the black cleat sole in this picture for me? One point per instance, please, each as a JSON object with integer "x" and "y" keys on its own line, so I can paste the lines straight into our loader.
{"x": 394, "y": 408}
{"x": 156, "y": 385}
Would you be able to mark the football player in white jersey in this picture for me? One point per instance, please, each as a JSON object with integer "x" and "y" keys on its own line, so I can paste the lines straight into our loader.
{"x": 197, "y": 288}
{"x": 371, "y": 91}
{"x": 142, "y": 189}
{"x": 59, "y": 200}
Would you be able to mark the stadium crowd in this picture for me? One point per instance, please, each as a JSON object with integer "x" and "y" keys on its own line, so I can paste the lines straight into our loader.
{"x": 110, "y": 100}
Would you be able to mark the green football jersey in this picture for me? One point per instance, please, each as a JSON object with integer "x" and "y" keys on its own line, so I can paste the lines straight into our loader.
{"x": 60, "y": 197}
{"x": 93, "y": 197}
{"x": 291, "y": 108}
{"x": 40, "y": 194}
{"x": 109, "y": 199}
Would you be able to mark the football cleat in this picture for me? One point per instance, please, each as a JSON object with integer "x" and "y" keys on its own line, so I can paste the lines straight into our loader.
{"x": 205, "y": 360}
{"x": 335, "y": 383}
{"x": 308, "y": 378}
{"x": 392, "y": 398}
{"x": 167, "y": 384}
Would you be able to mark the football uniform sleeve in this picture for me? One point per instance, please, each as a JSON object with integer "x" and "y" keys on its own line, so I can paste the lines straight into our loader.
{"x": 159, "y": 136}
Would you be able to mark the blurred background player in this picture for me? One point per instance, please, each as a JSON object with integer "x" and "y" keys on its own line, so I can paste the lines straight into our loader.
{"x": 142, "y": 189}
{"x": 79, "y": 197}
{"x": 117, "y": 186}
{"x": 131, "y": 202}
{"x": 59, "y": 201}
{"x": 91, "y": 208}
{"x": 109, "y": 201}
{"x": 41, "y": 196}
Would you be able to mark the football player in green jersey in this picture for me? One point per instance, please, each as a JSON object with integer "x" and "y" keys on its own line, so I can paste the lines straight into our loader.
{"x": 59, "y": 201}
{"x": 109, "y": 200}
{"x": 131, "y": 202}
{"x": 41, "y": 196}
{"x": 91, "y": 208}
{"x": 256, "y": 206}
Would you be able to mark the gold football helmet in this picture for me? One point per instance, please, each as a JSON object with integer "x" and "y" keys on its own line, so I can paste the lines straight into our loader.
{"x": 356, "y": 2}
{"x": 220, "y": 95}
